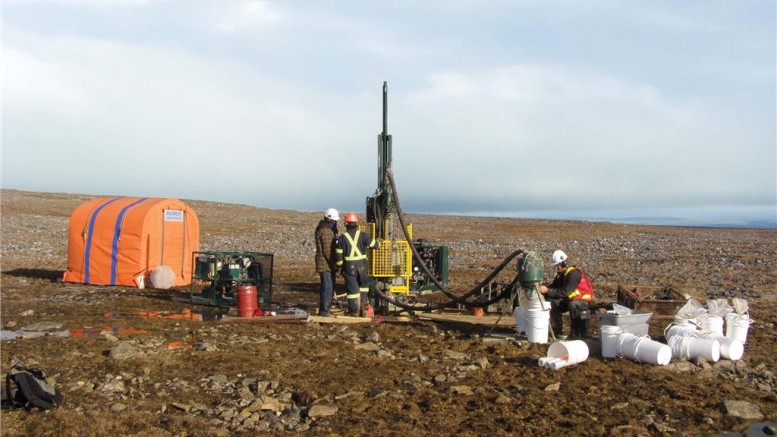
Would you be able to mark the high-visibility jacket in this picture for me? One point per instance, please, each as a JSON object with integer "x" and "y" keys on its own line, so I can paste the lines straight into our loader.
{"x": 352, "y": 246}
{"x": 584, "y": 290}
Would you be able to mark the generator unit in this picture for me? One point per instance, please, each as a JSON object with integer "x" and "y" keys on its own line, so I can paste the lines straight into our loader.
{"x": 217, "y": 275}
{"x": 436, "y": 259}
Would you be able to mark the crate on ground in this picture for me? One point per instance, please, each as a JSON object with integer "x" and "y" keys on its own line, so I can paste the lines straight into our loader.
{"x": 663, "y": 303}
{"x": 637, "y": 323}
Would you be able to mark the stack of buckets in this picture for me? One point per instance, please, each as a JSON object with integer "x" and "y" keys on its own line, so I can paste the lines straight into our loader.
{"x": 618, "y": 343}
{"x": 688, "y": 342}
{"x": 534, "y": 320}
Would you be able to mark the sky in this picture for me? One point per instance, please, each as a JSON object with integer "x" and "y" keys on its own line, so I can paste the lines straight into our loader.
{"x": 594, "y": 109}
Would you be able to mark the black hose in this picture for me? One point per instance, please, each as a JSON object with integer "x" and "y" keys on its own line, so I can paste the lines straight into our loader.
{"x": 454, "y": 299}
{"x": 442, "y": 305}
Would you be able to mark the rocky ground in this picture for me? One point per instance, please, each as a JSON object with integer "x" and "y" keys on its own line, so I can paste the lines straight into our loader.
{"x": 129, "y": 375}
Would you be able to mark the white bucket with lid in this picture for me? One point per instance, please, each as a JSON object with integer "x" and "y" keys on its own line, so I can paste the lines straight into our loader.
{"x": 737, "y": 327}
{"x": 609, "y": 339}
{"x": 537, "y": 326}
{"x": 712, "y": 323}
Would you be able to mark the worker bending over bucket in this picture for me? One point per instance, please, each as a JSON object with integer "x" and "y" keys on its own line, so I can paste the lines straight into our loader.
{"x": 570, "y": 291}
{"x": 351, "y": 253}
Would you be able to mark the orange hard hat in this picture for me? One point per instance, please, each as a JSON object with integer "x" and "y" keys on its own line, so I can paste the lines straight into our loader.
{"x": 351, "y": 217}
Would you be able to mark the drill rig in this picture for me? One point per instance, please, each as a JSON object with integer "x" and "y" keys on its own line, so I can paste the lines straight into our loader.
{"x": 393, "y": 267}
{"x": 401, "y": 268}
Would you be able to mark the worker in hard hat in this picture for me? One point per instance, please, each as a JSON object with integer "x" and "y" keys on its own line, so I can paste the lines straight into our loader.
{"x": 571, "y": 291}
{"x": 325, "y": 236}
{"x": 351, "y": 253}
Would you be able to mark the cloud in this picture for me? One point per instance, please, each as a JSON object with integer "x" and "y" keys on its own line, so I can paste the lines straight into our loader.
{"x": 278, "y": 104}
{"x": 94, "y": 3}
{"x": 247, "y": 14}
{"x": 584, "y": 138}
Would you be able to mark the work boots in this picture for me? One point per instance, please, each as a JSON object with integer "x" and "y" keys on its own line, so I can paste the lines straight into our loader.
{"x": 580, "y": 315}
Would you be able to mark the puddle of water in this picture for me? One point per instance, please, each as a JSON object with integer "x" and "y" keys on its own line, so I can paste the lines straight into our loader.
{"x": 72, "y": 332}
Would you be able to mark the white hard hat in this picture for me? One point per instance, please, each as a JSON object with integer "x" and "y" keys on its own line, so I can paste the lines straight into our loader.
{"x": 332, "y": 214}
{"x": 558, "y": 257}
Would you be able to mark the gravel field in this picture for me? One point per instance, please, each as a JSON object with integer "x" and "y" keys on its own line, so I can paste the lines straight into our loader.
{"x": 184, "y": 377}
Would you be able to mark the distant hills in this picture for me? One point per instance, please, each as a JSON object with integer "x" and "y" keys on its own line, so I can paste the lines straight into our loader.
{"x": 684, "y": 222}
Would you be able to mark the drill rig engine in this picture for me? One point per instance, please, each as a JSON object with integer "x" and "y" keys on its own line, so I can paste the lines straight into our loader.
{"x": 393, "y": 267}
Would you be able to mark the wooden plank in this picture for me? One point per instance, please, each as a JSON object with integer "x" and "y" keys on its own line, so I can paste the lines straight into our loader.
{"x": 506, "y": 320}
{"x": 339, "y": 320}
{"x": 265, "y": 319}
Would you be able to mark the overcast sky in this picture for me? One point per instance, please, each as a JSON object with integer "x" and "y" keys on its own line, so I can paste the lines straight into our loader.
{"x": 520, "y": 108}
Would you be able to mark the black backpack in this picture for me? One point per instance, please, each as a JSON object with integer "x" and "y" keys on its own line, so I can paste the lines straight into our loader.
{"x": 31, "y": 389}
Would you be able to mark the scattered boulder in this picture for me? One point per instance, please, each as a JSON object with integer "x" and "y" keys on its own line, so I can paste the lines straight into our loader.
{"x": 455, "y": 355}
{"x": 322, "y": 411}
{"x": 462, "y": 390}
{"x": 124, "y": 351}
{"x": 742, "y": 410}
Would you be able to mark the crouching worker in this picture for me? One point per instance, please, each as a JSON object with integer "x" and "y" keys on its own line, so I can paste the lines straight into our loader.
{"x": 570, "y": 291}
{"x": 351, "y": 254}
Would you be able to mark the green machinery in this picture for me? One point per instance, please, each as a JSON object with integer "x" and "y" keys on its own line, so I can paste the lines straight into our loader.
{"x": 393, "y": 266}
{"x": 521, "y": 291}
{"x": 217, "y": 275}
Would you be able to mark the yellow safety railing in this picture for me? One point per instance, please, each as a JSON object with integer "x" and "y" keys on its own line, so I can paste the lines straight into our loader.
{"x": 394, "y": 259}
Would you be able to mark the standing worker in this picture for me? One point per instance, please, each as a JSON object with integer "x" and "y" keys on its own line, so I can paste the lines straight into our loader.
{"x": 570, "y": 291}
{"x": 351, "y": 252}
{"x": 326, "y": 234}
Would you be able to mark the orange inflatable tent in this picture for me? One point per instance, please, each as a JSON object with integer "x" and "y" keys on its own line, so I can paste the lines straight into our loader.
{"x": 121, "y": 240}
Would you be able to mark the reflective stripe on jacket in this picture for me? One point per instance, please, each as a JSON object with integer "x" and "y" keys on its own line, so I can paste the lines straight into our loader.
{"x": 355, "y": 246}
{"x": 584, "y": 290}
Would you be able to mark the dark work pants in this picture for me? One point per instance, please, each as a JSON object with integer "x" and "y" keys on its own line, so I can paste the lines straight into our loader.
{"x": 326, "y": 291}
{"x": 579, "y": 316}
{"x": 354, "y": 296}
{"x": 355, "y": 275}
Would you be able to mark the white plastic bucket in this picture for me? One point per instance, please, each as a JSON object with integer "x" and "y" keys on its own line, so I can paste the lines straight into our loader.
{"x": 643, "y": 349}
{"x": 686, "y": 347}
{"x": 681, "y": 330}
{"x": 537, "y": 327}
{"x": 730, "y": 317}
{"x": 519, "y": 314}
{"x": 609, "y": 340}
{"x": 572, "y": 351}
{"x": 653, "y": 352}
{"x": 712, "y": 323}
{"x": 737, "y": 327}
{"x": 730, "y": 349}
